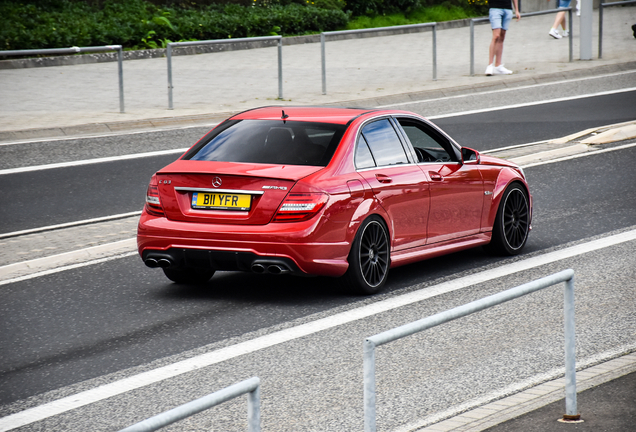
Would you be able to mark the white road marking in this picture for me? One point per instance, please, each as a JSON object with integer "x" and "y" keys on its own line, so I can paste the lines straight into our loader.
{"x": 100, "y": 393}
{"x": 90, "y": 161}
{"x": 526, "y": 104}
{"x": 576, "y": 156}
{"x": 106, "y": 134}
{"x": 70, "y": 224}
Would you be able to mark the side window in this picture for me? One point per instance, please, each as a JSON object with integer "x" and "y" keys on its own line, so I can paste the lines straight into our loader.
{"x": 384, "y": 143}
{"x": 364, "y": 159}
{"x": 428, "y": 144}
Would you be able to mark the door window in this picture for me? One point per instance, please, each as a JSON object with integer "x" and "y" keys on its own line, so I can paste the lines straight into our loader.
{"x": 429, "y": 145}
{"x": 383, "y": 143}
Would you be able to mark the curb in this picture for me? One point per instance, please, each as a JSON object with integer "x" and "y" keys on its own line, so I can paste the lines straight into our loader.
{"x": 502, "y": 410}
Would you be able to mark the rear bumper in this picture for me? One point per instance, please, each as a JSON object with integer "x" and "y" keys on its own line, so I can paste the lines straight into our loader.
{"x": 274, "y": 248}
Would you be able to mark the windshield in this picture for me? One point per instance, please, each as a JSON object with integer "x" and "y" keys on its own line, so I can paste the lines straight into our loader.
{"x": 270, "y": 142}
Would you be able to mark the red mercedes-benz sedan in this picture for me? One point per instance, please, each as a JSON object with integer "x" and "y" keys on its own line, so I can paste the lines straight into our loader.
{"x": 341, "y": 192}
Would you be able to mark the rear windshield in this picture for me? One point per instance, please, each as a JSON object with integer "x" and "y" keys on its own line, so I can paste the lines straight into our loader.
{"x": 270, "y": 142}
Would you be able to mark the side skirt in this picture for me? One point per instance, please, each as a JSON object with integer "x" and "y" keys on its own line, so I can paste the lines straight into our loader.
{"x": 410, "y": 256}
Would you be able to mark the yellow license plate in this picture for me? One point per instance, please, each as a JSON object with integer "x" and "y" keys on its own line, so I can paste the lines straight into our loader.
{"x": 221, "y": 201}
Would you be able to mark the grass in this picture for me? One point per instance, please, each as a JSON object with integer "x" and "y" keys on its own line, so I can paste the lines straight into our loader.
{"x": 437, "y": 13}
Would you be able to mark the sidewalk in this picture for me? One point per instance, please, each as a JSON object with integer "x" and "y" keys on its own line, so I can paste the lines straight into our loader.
{"x": 69, "y": 100}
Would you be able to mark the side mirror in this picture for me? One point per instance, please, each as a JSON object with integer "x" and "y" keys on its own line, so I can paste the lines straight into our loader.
{"x": 470, "y": 156}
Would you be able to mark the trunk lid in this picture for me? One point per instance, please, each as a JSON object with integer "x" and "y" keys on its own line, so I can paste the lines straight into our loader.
{"x": 226, "y": 192}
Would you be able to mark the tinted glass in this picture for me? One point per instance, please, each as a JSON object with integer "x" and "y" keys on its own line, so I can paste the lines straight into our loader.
{"x": 429, "y": 145}
{"x": 384, "y": 143}
{"x": 364, "y": 159}
{"x": 270, "y": 142}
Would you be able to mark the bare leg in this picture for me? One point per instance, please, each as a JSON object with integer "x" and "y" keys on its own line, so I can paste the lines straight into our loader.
{"x": 560, "y": 20}
{"x": 496, "y": 46}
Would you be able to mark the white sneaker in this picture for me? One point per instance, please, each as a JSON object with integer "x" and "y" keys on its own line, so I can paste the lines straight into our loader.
{"x": 501, "y": 70}
{"x": 565, "y": 33}
{"x": 555, "y": 34}
{"x": 490, "y": 70}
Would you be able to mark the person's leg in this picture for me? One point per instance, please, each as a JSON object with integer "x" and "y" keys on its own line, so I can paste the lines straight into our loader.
{"x": 498, "y": 45}
{"x": 495, "y": 44}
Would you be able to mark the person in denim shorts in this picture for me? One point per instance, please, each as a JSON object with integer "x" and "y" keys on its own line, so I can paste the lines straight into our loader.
{"x": 500, "y": 15}
{"x": 560, "y": 20}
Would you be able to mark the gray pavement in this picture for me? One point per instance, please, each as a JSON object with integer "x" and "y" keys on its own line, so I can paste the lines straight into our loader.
{"x": 63, "y": 100}
{"x": 82, "y": 99}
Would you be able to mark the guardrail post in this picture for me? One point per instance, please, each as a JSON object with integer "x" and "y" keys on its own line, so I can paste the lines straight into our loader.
{"x": 120, "y": 73}
{"x": 570, "y": 352}
{"x": 472, "y": 47}
{"x": 254, "y": 410}
{"x": 280, "y": 68}
{"x": 369, "y": 386}
{"x": 169, "y": 55}
{"x": 435, "y": 52}
{"x": 572, "y": 34}
{"x": 324, "y": 66}
{"x": 600, "y": 30}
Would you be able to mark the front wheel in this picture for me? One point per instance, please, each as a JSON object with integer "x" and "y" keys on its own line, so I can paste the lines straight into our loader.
{"x": 188, "y": 276}
{"x": 369, "y": 258}
{"x": 512, "y": 223}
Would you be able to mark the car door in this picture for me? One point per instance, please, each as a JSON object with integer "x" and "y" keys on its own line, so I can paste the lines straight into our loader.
{"x": 397, "y": 182}
{"x": 456, "y": 189}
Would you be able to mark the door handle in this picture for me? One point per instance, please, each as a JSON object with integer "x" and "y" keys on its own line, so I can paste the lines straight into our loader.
{"x": 435, "y": 176}
{"x": 383, "y": 178}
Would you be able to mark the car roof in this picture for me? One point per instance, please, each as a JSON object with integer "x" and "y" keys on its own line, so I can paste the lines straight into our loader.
{"x": 336, "y": 115}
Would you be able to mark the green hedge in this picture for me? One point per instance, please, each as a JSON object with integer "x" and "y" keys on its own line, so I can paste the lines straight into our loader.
{"x": 139, "y": 24}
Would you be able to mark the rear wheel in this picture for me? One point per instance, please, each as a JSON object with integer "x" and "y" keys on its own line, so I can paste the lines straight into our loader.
{"x": 369, "y": 258}
{"x": 190, "y": 276}
{"x": 512, "y": 224}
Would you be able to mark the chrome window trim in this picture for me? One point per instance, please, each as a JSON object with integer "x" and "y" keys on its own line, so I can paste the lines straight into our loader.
{"x": 233, "y": 191}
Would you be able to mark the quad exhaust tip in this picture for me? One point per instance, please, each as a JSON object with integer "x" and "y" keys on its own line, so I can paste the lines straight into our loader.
{"x": 276, "y": 269}
{"x": 160, "y": 262}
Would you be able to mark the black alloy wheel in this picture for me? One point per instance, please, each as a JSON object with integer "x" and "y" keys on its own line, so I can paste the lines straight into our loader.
{"x": 369, "y": 258}
{"x": 512, "y": 223}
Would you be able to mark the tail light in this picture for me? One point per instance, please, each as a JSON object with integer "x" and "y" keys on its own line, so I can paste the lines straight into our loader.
{"x": 153, "y": 203}
{"x": 299, "y": 207}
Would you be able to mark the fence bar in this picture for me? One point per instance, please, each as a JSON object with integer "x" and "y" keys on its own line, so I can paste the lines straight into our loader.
{"x": 571, "y": 32}
{"x": 434, "y": 53}
{"x": 408, "y": 329}
{"x": 529, "y": 14}
{"x": 571, "y": 412}
{"x": 169, "y": 58}
{"x": 77, "y": 50}
{"x": 222, "y": 41}
{"x": 601, "y": 6}
{"x": 280, "y": 68}
{"x": 250, "y": 386}
{"x": 373, "y": 30}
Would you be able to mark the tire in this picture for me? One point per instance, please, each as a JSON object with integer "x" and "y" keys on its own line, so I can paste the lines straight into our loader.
{"x": 369, "y": 258}
{"x": 512, "y": 223}
{"x": 188, "y": 276}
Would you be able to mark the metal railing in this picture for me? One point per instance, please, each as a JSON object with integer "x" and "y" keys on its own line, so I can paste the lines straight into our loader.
{"x": 530, "y": 14}
{"x": 600, "y": 21}
{"x": 323, "y": 36}
{"x": 75, "y": 50}
{"x": 372, "y": 342}
{"x": 250, "y": 386}
{"x": 172, "y": 45}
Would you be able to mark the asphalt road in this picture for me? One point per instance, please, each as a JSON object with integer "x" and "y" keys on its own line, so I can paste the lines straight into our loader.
{"x": 80, "y": 325}
{"x": 103, "y": 318}
{"x": 54, "y": 196}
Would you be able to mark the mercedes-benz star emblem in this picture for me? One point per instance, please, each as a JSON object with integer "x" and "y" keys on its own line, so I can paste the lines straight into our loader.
{"x": 216, "y": 182}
